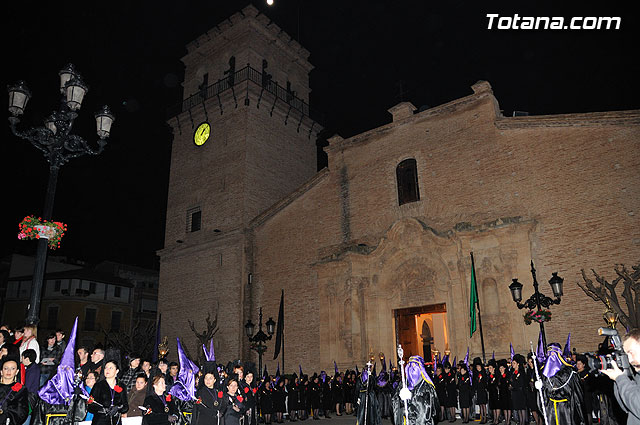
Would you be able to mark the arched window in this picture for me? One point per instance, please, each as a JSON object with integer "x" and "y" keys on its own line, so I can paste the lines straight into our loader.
{"x": 407, "y": 177}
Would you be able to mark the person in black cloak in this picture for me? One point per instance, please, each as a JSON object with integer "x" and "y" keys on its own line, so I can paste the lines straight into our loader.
{"x": 266, "y": 400}
{"x": 293, "y": 402}
{"x": 160, "y": 408}
{"x": 383, "y": 393}
{"x": 303, "y": 398}
{"x": 348, "y": 384}
{"x": 368, "y": 409}
{"x": 451, "y": 401}
{"x": 464, "y": 392}
{"x": 249, "y": 389}
{"x": 561, "y": 388}
{"x": 423, "y": 406}
{"x": 441, "y": 391}
{"x": 517, "y": 383}
{"x": 279, "y": 399}
{"x": 480, "y": 388}
{"x": 325, "y": 395}
{"x": 14, "y": 398}
{"x": 233, "y": 403}
{"x": 530, "y": 391}
{"x": 108, "y": 397}
{"x": 493, "y": 385}
{"x": 504, "y": 395}
{"x": 314, "y": 396}
{"x": 209, "y": 407}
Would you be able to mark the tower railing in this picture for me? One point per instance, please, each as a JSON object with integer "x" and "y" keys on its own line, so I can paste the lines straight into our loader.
{"x": 251, "y": 74}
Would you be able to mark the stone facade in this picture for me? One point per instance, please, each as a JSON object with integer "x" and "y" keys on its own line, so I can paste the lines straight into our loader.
{"x": 562, "y": 191}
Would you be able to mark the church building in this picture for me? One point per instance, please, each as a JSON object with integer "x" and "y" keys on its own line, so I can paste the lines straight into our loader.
{"x": 375, "y": 249}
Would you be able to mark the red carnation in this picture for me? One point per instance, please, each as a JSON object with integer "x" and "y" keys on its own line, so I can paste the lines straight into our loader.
{"x": 254, "y": 390}
{"x": 246, "y": 390}
{"x": 199, "y": 400}
{"x": 220, "y": 394}
{"x": 117, "y": 389}
{"x": 17, "y": 387}
{"x": 168, "y": 397}
{"x": 240, "y": 398}
{"x": 90, "y": 400}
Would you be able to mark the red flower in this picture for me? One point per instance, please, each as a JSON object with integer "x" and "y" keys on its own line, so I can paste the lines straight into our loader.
{"x": 148, "y": 411}
{"x": 90, "y": 400}
{"x": 246, "y": 390}
{"x": 240, "y": 398}
{"x": 199, "y": 400}
{"x": 254, "y": 390}
{"x": 168, "y": 397}
{"x": 17, "y": 387}
{"x": 117, "y": 389}
{"x": 220, "y": 394}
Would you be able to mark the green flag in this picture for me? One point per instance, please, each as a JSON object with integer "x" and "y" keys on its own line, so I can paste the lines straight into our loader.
{"x": 473, "y": 302}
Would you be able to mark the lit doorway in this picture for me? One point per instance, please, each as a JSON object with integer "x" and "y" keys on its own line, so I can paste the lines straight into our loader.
{"x": 422, "y": 330}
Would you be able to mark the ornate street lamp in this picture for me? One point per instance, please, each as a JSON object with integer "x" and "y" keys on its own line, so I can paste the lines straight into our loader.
{"x": 58, "y": 146}
{"x": 538, "y": 300}
{"x": 258, "y": 341}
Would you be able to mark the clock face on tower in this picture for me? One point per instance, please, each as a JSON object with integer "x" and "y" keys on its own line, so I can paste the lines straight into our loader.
{"x": 201, "y": 134}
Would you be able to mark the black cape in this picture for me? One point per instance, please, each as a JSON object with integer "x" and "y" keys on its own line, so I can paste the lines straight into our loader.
{"x": 563, "y": 397}
{"x": 368, "y": 408}
{"x": 422, "y": 407}
{"x": 15, "y": 404}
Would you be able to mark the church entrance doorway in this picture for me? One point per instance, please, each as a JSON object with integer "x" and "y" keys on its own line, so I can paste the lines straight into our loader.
{"x": 422, "y": 331}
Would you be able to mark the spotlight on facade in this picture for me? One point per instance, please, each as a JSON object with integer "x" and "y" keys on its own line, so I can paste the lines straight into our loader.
{"x": 270, "y": 2}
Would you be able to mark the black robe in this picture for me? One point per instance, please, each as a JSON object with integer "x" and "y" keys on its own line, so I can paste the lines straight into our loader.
{"x": 480, "y": 386}
{"x": 493, "y": 382}
{"x": 101, "y": 394}
{"x": 231, "y": 417}
{"x": 464, "y": 390}
{"x": 15, "y": 404}
{"x": 441, "y": 388}
{"x": 451, "y": 399}
{"x": 159, "y": 415}
{"x": 563, "y": 394}
{"x": 517, "y": 382}
{"x": 210, "y": 411}
{"x": 423, "y": 406}
{"x": 368, "y": 409}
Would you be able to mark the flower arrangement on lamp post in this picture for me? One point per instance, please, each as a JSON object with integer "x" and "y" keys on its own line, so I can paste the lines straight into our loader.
{"x": 538, "y": 316}
{"x": 36, "y": 228}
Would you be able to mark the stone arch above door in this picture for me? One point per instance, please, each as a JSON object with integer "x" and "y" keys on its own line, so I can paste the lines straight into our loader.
{"x": 413, "y": 265}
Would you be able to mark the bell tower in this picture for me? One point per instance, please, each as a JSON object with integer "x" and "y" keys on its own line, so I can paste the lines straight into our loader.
{"x": 244, "y": 138}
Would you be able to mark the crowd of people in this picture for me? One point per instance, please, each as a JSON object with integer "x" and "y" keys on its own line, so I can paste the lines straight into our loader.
{"x": 63, "y": 382}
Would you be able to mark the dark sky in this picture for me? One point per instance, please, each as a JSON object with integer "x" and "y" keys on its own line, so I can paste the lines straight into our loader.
{"x": 363, "y": 52}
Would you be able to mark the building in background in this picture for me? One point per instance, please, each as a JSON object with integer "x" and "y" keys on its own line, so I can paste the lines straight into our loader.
{"x": 108, "y": 299}
{"x": 375, "y": 249}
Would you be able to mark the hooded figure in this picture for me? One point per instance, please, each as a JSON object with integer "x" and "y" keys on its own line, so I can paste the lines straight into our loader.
{"x": 423, "y": 406}
{"x": 561, "y": 389}
{"x": 209, "y": 407}
{"x": 368, "y": 409}
{"x": 184, "y": 387}
{"x": 58, "y": 399}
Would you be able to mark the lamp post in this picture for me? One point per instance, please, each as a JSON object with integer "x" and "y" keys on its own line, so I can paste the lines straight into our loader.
{"x": 538, "y": 300}
{"x": 259, "y": 339}
{"x": 58, "y": 147}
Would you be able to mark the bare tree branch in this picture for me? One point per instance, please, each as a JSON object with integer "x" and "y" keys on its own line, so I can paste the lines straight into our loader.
{"x": 606, "y": 293}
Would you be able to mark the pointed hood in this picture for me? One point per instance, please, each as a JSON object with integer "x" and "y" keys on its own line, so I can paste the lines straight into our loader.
{"x": 567, "y": 347}
{"x": 555, "y": 360}
{"x": 335, "y": 368}
{"x": 540, "y": 354}
{"x": 384, "y": 365}
{"x": 493, "y": 356}
{"x": 300, "y": 367}
{"x": 59, "y": 389}
{"x": 185, "y": 386}
{"x": 416, "y": 372}
{"x": 512, "y": 352}
{"x": 210, "y": 355}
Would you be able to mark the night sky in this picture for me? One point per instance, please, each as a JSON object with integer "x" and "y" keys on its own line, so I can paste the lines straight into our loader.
{"x": 368, "y": 56}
